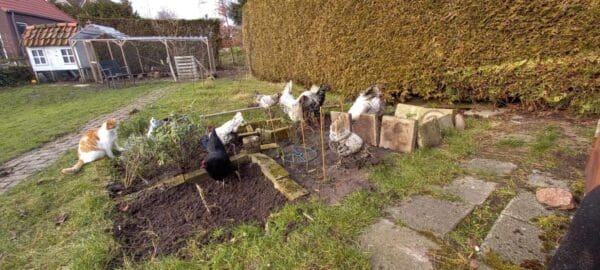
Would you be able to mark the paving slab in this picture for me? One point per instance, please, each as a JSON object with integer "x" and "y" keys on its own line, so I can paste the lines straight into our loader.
{"x": 398, "y": 134}
{"x": 491, "y": 166}
{"x": 485, "y": 113}
{"x": 525, "y": 207}
{"x": 396, "y": 247}
{"x": 345, "y": 118}
{"x": 514, "y": 240}
{"x": 429, "y": 133}
{"x": 471, "y": 190}
{"x": 425, "y": 213}
{"x": 540, "y": 180}
{"x": 367, "y": 128}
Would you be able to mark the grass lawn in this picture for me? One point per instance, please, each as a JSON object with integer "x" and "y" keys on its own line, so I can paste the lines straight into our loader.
{"x": 34, "y": 115}
{"x": 29, "y": 237}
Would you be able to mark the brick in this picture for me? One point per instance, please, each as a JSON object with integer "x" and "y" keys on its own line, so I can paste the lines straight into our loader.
{"x": 367, "y": 127}
{"x": 346, "y": 122}
{"x": 398, "y": 134}
{"x": 429, "y": 134}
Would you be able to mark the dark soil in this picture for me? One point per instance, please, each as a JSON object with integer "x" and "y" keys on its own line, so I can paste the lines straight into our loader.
{"x": 161, "y": 222}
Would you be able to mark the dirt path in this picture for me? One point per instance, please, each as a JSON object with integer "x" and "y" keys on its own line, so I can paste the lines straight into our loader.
{"x": 21, "y": 167}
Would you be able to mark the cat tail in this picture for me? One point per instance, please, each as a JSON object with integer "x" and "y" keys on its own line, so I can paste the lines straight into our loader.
{"x": 75, "y": 168}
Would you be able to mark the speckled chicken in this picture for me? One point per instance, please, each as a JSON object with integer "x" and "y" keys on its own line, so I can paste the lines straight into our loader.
{"x": 369, "y": 101}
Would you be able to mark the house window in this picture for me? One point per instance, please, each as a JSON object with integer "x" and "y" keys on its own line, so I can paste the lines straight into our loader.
{"x": 68, "y": 56}
{"x": 38, "y": 57}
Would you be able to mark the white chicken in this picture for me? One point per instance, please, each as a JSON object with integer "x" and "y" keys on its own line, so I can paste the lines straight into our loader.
{"x": 266, "y": 101}
{"x": 346, "y": 142}
{"x": 227, "y": 131}
{"x": 368, "y": 101}
{"x": 289, "y": 104}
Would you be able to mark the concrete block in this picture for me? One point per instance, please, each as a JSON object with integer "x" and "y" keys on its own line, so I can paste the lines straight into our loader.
{"x": 514, "y": 240}
{"x": 422, "y": 114}
{"x": 367, "y": 127}
{"x": 279, "y": 177}
{"x": 398, "y": 134}
{"x": 491, "y": 166}
{"x": 429, "y": 133}
{"x": 471, "y": 190}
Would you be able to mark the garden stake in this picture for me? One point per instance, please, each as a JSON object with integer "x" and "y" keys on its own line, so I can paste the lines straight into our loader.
{"x": 322, "y": 143}
{"x": 202, "y": 198}
{"x": 304, "y": 144}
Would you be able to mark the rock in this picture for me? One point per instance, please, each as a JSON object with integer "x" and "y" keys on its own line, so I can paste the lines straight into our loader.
{"x": 525, "y": 207}
{"x": 429, "y": 133}
{"x": 560, "y": 198}
{"x": 473, "y": 264}
{"x": 425, "y": 213}
{"x": 459, "y": 122}
{"x": 491, "y": 166}
{"x": 514, "y": 240}
{"x": 485, "y": 113}
{"x": 345, "y": 118}
{"x": 395, "y": 247}
{"x": 422, "y": 114}
{"x": 398, "y": 134}
{"x": 367, "y": 127}
{"x": 541, "y": 180}
{"x": 471, "y": 190}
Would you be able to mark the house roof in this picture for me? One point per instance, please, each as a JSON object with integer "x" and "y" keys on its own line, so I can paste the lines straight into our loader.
{"x": 39, "y": 8}
{"x": 57, "y": 34}
{"x": 94, "y": 31}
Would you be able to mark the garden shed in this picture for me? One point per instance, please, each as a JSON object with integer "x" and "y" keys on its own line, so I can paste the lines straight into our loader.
{"x": 49, "y": 51}
{"x": 101, "y": 46}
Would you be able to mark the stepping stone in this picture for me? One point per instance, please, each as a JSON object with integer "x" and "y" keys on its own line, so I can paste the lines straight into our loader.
{"x": 471, "y": 190}
{"x": 367, "y": 128}
{"x": 398, "y": 134}
{"x": 429, "y": 133}
{"x": 540, "y": 180}
{"x": 485, "y": 113}
{"x": 491, "y": 166}
{"x": 396, "y": 247}
{"x": 514, "y": 240}
{"x": 525, "y": 207}
{"x": 425, "y": 213}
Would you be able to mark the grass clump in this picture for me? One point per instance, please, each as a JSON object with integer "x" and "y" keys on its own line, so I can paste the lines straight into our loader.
{"x": 553, "y": 229}
{"x": 546, "y": 140}
{"x": 510, "y": 142}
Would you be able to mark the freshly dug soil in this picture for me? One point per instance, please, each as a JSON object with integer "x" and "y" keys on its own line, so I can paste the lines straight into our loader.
{"x": 161, "y": 222}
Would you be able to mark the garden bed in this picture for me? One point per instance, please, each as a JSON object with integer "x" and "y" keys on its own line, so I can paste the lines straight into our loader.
{"x": 161, "y": 222}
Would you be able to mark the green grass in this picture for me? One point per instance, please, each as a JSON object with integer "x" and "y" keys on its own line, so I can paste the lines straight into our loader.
{"x": 510, "y": 142}
{"x": 29, "y": 238}
{"x": 545, "y": 140}
{"x": 304, "y": 235}
{"x": 34, "y": 115}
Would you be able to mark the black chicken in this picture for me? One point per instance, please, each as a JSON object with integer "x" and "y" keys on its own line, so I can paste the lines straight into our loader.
{"x": 312, "y": 100}
{"x": 217, "y": 163}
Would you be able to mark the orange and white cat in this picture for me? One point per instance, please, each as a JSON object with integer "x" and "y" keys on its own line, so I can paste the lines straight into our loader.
{"x": 96, "y": 144}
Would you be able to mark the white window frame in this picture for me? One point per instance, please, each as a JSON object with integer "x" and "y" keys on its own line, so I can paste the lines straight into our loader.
{"x": 39, "y": 57}
{"x": 68, "y": 56}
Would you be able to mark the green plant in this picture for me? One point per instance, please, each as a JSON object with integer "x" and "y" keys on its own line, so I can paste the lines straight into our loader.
{"x": 13, "y": 76}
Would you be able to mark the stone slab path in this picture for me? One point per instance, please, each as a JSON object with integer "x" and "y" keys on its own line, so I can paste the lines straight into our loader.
{"x": 14, "y": 171}
{"x": 395, "y": 246}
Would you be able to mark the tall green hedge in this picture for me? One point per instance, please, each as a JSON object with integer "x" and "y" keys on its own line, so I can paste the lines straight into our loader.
{"x": 537, "y": 51}
{"x": 13, "y": 76}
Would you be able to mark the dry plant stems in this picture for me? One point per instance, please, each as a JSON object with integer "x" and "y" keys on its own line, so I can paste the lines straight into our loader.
{"x": 322, "y": 143}
{"x": 202, "y": 198}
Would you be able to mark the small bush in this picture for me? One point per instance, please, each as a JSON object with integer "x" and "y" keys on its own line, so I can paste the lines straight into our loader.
{"x": 175, "y": 144}
{"x": 13, "y": 76}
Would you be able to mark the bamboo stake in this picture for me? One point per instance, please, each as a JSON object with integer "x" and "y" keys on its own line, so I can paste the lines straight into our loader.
{"x": 322, "y": 143}
{"x": 202, "y": 198}
{"x": 304, "y": 144}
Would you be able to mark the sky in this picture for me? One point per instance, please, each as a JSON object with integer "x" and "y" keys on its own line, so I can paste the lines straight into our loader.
{"x": 185, "y": 9}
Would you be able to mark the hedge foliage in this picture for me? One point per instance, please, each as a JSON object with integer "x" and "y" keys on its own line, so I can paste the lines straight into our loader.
{"x": 538, "y": 52}
{"x": 13, "y": 76}
{"x": 155, "y": 51}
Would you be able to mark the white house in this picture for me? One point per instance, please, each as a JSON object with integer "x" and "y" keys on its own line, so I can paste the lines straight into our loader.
{"x": 49, "y": 51}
